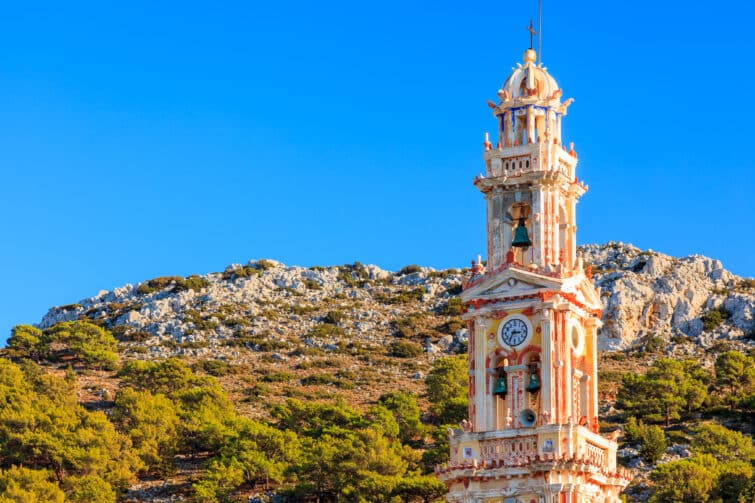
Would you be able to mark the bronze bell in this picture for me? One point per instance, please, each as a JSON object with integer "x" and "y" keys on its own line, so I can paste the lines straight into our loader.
{"x": 521, "y": 237}
{"x": 534, "y": 385}
{"x": 500, "y": 388}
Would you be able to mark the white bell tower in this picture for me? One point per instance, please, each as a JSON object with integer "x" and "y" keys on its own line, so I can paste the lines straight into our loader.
{"x": 533, "y": 315}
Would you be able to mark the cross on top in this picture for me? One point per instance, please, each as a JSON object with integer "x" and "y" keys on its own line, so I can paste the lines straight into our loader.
{"x": 532, "y": 31}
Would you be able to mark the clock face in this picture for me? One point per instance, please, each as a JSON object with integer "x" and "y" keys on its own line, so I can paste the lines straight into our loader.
{"x": 514, "y": 332}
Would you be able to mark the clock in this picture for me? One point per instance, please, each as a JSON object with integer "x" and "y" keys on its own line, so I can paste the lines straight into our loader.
{"x": 514, "y": 332}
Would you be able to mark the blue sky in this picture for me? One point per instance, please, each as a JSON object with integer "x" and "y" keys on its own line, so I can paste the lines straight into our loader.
{"x": 168, "y": 138}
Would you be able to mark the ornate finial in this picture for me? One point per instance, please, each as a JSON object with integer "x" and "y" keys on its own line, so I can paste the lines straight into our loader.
{"x": 530, "y": 56}
{"x": 487, "y": 143}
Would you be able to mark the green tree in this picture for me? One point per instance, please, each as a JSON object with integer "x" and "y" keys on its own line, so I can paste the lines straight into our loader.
{"x": 724, "y": 444}
{"x": 42, "y": 425}
{"x": 206, "y": 415}
{"x": 25, "y": 485}
{"x": 416, "y": 487}
{"x": 663, "y": 393}
{"x": 653, "y": 444}
{"x": 89, "y": 489}
{"x": 684, "y": 481}
{"x": 447, "y": 388}
{"x": 732, "y": 482}
{"x": 166, "y": 377}
{"x": 313, "y": 419}
{"x": 263, "y": 452}
{"x": 406, "y": 411}
{"x": 152, "y": 423}
{"x": 354, "y": 466}
{"x": 25, "y": 342}
{"x": 219, "y": 481}
{"x": 735, "y": 372}
{"x": 84, "y": 341}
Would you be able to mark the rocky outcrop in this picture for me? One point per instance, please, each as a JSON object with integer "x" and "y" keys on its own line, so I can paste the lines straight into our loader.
{"x": 646, "y": 295}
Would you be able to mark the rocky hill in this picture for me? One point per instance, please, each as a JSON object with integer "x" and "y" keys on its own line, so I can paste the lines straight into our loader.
{"x": 270, "y": 332}
{"x": 376, "y": 329}
{"x": 644, "y": 293}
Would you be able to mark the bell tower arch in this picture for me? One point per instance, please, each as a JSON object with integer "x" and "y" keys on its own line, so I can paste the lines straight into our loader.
{"x": 532, "y": 433}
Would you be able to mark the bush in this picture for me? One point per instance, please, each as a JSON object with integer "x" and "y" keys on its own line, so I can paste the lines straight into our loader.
{"x": 264, "y": 265}
{"x": 312, "y": 284}
{"x": 451, "y": 326}
{"x": 193, "y": 282}
{"x": 216, "y": 368}
{"x": 454, "y": 307}
{"x": 410, "y": 326}
{"x": 157, "y": 284}
{"x": 405, "y": 349}
{"x": 279, "y": 377}
{"x": 713, "y": 318}
{"x": 327, "y": 330}
{"x": 653, "y": 444}
{"x": 409, "y": 269}
{"x": 333, "y": 317}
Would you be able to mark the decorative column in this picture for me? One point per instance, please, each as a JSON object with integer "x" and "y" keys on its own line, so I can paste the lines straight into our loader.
{"x": 482, "y": 390}
{"x": 546, "y": 358}
{"x": 530, "y": 124}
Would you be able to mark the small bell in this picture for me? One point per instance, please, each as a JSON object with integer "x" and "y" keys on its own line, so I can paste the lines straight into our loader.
{"x": 500, "y": 388}
{"x": 534, "y": 385}
{"x": 521, "y": 238}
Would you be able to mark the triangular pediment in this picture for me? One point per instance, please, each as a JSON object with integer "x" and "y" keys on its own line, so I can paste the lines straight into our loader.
{"x": 509, "y": 283}
{"x": 588, "y": 294}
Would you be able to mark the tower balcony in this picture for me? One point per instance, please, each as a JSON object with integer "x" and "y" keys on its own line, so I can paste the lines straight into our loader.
{"x": 522, "y": 452}
{"x": 534, "y": 159}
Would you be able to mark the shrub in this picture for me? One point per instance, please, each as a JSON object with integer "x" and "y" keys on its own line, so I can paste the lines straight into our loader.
{"x": 353, "y": 274}
{"x": 312, "y": 284}
{"x": 327, "y": 330}
{"x": 409, "y": 269}
{"x": 653, "y": 443}
{"x": 713, "y": 318}
{"x": 264, "y": 265}
{"x": 654, "y": 344}
{"x": 405, "y": 349}
{"x": 454, "y": 289}
{"x": 193, "y": 282}
{"x": 451, "y": 326}
{"x": 409, "y": 326}
{"x": 407, "y": 296}
{"x": 454, "y": 307}
{"x": 333, "y": 317}
{"x": 279, "y": 377}
{"x": 216, "y": 368}
{"x": 157, "y": 284}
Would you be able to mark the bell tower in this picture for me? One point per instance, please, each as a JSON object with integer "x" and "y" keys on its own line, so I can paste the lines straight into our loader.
{"x": 533, "y": 314}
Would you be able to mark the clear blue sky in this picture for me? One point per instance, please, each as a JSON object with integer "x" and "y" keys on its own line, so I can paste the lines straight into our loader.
{"x": 143, "y": 139}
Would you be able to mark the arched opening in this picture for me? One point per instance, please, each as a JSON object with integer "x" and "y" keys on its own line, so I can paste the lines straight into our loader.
{"x": 520, "y": 230}
{"x": 501, "y": 393}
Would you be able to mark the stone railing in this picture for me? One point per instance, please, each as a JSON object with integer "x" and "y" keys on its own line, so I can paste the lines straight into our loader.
{"x": 508, "y": 451}
{"x": 595, "y": 453}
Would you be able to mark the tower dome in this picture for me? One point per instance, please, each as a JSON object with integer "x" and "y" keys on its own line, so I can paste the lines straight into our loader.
{"x": 529, "y": 81}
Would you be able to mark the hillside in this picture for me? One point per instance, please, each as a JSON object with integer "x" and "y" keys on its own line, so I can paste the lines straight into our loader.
{"x": 269, "y": 333}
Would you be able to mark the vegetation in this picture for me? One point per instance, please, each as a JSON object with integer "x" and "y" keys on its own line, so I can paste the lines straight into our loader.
{"x": 714, "y": 318}
{"x": 405, "y": 349}
{"x": 78, "y": 342}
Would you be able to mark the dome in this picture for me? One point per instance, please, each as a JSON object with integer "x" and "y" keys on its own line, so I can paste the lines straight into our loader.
{"x": 529, "y": 81}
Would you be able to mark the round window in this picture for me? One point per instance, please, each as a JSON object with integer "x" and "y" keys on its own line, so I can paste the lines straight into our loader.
{"x": 577, "y": 341}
